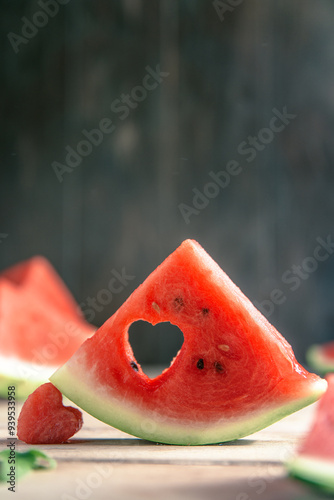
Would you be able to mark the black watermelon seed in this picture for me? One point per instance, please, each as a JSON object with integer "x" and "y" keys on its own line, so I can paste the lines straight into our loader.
{"x": 218, "y": 366}
{"x": 178, "y": 303}
{"x": 205, "y": 311}
{"x": 134, "y": 366}
{"x": 200, "y": 364}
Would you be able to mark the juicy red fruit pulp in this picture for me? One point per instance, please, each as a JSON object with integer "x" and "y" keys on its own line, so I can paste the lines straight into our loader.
{"x": 320, "y": 440}
{"x": 328, "y": 351}
{"x": 45, "y": 420}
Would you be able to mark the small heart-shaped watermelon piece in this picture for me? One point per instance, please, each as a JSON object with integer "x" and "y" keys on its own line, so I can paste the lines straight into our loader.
{"x": 45, "y": 420}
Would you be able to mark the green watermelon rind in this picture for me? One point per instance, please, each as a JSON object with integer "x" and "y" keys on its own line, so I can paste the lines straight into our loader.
{"x": 317, "y": 361}
{"x": 312, "y": 470}
{"x": 153, "y": 427}
{"x": 22, "y": 387}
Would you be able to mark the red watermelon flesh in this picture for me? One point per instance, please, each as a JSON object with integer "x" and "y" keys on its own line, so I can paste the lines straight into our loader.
{"x": 319, "y": 442}
{"x": 36, "y": 275}
{"x": 45, "y": 420}
{"x": 28, "y": 324}
{"x": 233, "y": 375}
{"x": 40, "y": 325}
{"x": 314, "y": 461}
{"x": 329, "y": 350}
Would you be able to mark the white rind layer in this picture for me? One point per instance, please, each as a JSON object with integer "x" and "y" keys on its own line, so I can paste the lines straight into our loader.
{"x": 14, "y": 368}
{"x": 24, "y": 375}
{"x": 313, "y": 470}
{"x": 155, "y": 426}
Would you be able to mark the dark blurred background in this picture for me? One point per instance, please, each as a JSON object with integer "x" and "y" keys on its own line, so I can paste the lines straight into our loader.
{"x": 228, "y": 69}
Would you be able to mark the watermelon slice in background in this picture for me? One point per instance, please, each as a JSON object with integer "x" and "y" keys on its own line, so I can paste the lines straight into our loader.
{"x": 314, "y": 461}
{"x": 234, "y": 374}
{"x": 36, "y": 275}
{"x": 320, "y": 357}
{"x": 41, "y": 325}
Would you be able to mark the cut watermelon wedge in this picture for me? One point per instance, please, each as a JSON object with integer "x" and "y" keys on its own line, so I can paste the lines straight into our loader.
{"x": 234, "y": 374}
{"x": 314, "y": 462}
{"x": 38, "y": 277}
{"x": 321, "y": 357}
{"x": 40, "y": 325}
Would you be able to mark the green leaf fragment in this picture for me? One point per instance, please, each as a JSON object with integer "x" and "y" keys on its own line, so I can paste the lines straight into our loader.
{"x": 20, "y": 463}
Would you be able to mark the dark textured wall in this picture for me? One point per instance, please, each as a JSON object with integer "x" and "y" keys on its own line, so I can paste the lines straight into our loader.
{"x": 134, "y": 197}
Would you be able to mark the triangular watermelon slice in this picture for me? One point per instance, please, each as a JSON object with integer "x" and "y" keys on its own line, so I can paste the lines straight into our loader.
{"x": 314, "y": 461}
{"x": 321, "y": 357}
{"x": 41, "y": 325}
{"x": 38, "y": 277}
{"x": 234, "y": 374}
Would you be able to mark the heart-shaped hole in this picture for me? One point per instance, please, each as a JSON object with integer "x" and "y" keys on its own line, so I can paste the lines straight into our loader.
{"x": 154, "y": 347}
